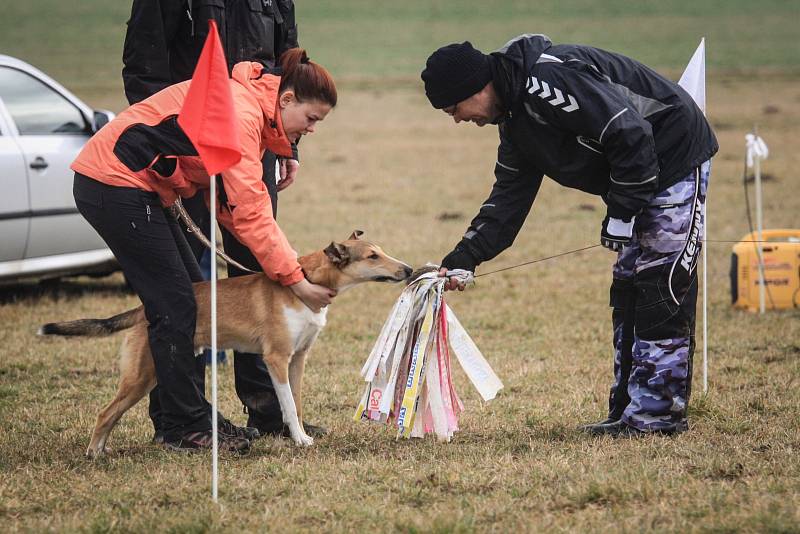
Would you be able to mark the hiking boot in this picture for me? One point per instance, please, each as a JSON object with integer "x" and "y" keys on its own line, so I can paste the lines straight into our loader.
{"x": 608, "y": 426}
{"x": 229, "y": 429}
{"x": 194, "y": 441}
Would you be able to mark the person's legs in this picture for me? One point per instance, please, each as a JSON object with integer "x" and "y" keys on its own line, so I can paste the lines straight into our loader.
{"x": 188, "y": 256}
{"x": 670, "y": 234}
{"x": 622, "y": 301}
{"x": 189, "y": 261}
{"x": 135, "y": 228}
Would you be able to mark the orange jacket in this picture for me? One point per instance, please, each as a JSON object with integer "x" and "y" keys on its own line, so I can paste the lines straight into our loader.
{"x": 144, "y": 147}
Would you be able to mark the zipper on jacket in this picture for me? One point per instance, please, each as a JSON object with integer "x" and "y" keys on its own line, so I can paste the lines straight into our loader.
{"x": 148, "y": 212}
{"x": 189, "y": 14}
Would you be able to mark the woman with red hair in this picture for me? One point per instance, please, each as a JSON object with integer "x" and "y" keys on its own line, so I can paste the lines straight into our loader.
{"x": 142, "y": 161}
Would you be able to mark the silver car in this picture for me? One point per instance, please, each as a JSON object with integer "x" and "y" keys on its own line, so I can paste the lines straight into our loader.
{"x": 42, "y": 128}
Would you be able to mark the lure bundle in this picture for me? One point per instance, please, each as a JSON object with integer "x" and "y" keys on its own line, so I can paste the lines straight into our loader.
{"x": 409, "y": 373}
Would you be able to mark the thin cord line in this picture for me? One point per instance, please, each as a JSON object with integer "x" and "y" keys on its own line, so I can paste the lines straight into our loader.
{"x": 595, "y": 246}
{"x": 740, "y": 241}
{"x": 537, "y": 261}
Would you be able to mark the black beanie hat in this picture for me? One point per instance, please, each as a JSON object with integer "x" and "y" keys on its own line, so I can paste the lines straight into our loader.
{"x": 454, "y": 73}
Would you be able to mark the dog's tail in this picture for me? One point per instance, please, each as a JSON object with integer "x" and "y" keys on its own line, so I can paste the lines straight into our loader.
{"x": 93, "y": 327}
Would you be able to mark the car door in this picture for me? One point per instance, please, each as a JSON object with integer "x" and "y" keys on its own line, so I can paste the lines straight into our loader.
{"x": 14, "y": 206}
{"x": 51, "y": 131}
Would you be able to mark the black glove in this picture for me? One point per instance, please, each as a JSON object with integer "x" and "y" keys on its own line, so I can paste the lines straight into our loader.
{"x": 616, "y": 233}
{"x": 460, "y": 258}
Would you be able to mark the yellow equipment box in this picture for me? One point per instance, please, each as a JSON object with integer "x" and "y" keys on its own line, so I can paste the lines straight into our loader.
{"x": 781, "y": 270}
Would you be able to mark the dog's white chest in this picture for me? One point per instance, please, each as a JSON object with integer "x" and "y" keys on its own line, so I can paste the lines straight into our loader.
{"x": 303, "y": 326}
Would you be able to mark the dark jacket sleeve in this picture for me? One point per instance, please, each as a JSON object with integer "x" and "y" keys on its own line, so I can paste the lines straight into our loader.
{"x": 145, "y": 54}
{"x": 286, "y": 38}
{"x": 585, "y": 103}
{"x": 502, "y": 214}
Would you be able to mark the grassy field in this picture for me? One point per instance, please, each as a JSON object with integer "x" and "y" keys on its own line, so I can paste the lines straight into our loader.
{"x": 385, "y": 163}
{"x": 386, "y": 43}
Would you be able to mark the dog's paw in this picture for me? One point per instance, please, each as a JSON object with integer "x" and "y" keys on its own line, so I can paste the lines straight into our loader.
{"x": 93, "y": 454}
{"x": 304, "y": 440}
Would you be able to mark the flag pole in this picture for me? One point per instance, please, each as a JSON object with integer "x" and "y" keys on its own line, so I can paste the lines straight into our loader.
{"x": 705, "y": 248}
{"x": 214, "y": 409}
{"x": 693, "y": 81}
{"x": 759, "y": 229}
{"x": 705, "y": 296}
{"x": 208, "y": 118}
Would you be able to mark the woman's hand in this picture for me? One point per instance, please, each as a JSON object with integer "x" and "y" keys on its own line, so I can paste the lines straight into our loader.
{"x": 314, "y": 296}
{"x": 288, "y": 172}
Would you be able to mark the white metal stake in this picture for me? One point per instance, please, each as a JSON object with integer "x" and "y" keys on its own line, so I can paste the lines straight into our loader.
{"x": 705, "y": 295}
{"x": 760, "y": 238}
{"x": 693, "y": 80}
{"x": 214, "y": 431}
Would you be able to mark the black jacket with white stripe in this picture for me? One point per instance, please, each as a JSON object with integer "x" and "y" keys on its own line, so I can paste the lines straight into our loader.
{"x": 590, "y": 120}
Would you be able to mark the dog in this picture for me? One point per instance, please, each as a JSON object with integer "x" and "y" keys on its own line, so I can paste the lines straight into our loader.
{"x": 255, "y": 314}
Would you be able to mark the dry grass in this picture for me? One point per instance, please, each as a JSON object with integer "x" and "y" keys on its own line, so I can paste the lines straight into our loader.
{"x": 386, "y": 164}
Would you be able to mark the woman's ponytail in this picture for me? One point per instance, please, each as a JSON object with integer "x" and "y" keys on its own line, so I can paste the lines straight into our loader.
{"x": 308, "y": 80}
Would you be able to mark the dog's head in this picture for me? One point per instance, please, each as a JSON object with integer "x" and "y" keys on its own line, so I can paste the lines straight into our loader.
{"x": 358, "y": 260}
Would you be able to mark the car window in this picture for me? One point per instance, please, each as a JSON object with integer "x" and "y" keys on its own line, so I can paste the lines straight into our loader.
{"x": 36, "y": 108}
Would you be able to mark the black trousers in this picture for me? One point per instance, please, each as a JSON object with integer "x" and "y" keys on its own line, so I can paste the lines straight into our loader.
{"x": 154, "y": 255}
{"x": 253, "y": 384}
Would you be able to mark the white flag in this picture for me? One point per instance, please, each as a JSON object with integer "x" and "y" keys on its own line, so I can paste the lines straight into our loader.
{"x": 693, "y": 79}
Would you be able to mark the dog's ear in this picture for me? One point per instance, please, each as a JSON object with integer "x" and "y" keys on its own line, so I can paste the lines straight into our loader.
{"x": 338, "y": 254}
{"x": 356, "y": 234}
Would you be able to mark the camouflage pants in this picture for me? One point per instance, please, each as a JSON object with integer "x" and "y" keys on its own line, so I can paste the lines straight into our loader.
{"x": 654, "y": 295}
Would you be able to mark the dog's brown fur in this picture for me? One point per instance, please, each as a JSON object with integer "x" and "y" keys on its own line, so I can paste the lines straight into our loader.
{"x": 254, "y": 314}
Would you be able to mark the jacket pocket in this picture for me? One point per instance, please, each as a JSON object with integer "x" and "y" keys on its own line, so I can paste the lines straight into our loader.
{"x": 193, "y": 29}
{"x": 658, "y": 316}
{"x": 151, "y": 210}
{"x": 254, "y": 38}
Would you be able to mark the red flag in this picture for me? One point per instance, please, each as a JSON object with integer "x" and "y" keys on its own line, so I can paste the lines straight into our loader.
{"x": 208, "y": 117}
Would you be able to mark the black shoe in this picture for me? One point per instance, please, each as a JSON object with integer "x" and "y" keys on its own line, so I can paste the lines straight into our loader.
{"x": 158, "y": 437}
{"x": 608, "y": 426}
{"x": 229, "y": 429}
{"x": 628, "y": 431}
{"x": 276, "y": 427}
{"x": 194, "y": 441}
{"x": 312, "y": 430}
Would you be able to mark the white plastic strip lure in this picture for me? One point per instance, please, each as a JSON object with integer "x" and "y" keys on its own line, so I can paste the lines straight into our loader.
{"x": 408, "y": 374}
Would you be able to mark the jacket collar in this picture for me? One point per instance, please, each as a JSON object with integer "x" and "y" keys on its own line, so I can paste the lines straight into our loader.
{"x": 264, "y": 87}
{"x": 512, "y": 64}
